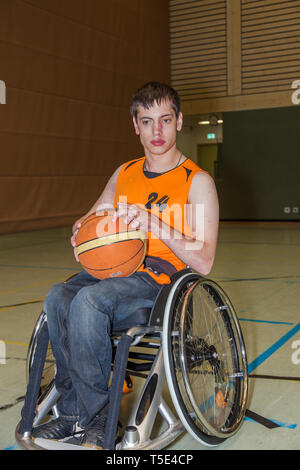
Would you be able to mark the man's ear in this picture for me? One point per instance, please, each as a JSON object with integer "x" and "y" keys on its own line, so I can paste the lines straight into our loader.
{"x": 136, "y": 127}
{"x": 179, "y": 121}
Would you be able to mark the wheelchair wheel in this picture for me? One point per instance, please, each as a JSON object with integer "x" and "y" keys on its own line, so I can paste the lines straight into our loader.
{"x": 205, "y": 359}
{"x": 49, "y": 371}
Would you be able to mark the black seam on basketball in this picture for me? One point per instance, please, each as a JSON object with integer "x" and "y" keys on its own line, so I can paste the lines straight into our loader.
{"x": 118, "y": 265}
{"x": 94, "y": 214}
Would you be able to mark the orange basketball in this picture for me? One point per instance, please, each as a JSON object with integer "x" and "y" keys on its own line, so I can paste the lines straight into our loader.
{"x": 109, "y": 249}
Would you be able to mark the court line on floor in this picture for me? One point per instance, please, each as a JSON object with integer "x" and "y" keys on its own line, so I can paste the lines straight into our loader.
{"x": 267, "y": 297}
{"x": 17, "y": 246}
{"x": 26, "y": 266}
{"x": 279, "y": 423}
{"x": 265, "y": 355}
{"x": 37, "y": 284}
{"x": 272, "y": 349}
{"x": 244, "y": 279}
{"x": 237, "y": 242}
{"x": 15, "y": 343}
{"x": 265, "y": 321}
{"x": 275, "y": 377}
{"x": 21, "y": 304}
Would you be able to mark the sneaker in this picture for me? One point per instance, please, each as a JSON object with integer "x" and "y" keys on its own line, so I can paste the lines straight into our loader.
{"x": 59, "y": 428}
{"x": 94, "y": 433}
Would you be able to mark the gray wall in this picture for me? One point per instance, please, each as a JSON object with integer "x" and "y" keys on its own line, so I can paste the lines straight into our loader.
{"x": 259, "y": 164}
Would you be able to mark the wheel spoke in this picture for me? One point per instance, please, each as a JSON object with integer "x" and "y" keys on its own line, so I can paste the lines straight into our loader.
{"x": 209, "y": 360}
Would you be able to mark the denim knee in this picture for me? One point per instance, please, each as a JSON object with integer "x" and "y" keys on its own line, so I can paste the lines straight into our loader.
{"x": 54, "y": 299}
{"x": 87, "y": 312}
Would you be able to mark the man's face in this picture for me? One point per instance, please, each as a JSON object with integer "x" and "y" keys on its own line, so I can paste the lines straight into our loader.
{"x": 157, "y": 128}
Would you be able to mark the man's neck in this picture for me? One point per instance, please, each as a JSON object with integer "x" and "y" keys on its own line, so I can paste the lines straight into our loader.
{"x": 163, "y": 163}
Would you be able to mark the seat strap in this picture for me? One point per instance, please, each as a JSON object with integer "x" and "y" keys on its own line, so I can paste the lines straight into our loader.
{"x": 159, "y": 265}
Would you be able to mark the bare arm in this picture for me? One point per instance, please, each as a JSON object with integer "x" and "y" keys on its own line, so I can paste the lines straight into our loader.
{"x": 203, "y": 218}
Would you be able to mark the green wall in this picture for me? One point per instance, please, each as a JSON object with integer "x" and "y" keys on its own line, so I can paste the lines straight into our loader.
{"x": 259, "y": 164}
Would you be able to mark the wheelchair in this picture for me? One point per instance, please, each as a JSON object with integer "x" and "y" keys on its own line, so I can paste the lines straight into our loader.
{"x": 190, "y": 339}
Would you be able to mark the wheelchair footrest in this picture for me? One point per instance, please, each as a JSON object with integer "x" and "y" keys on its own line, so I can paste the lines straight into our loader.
{"x": 49, "y": 444}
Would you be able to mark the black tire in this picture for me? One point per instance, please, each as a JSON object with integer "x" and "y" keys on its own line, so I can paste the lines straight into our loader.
{"x": 205, "y": 359}
{"x": 49, "y": 371}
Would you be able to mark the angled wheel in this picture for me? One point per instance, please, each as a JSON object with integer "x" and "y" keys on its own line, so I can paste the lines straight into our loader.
{"x": 47, "y": 385}
{"x": 205, "y": 359}
{"x": 48, "y": 395}
{"x": 49, "y": 371}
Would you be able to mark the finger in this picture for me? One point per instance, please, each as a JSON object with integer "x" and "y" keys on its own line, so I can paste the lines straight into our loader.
{"x": 75, "y": 255}
{"x": 76, "y": 227}
{"x": 134, "y": 224}
{"x": 73, "y": 238}
{"x": 128, "y": 211}
{"x": 122, "y": 210}
{"x": 132, "y": 217}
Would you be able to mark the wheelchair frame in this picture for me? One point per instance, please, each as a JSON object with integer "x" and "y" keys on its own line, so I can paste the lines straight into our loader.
{"x": 137, "y": 435}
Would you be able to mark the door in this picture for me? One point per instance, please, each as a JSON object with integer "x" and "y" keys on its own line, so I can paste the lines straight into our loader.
{"x": 207, "y": 155}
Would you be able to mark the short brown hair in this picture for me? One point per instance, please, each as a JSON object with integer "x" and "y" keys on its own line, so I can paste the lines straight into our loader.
{"x": 153, "y": 92}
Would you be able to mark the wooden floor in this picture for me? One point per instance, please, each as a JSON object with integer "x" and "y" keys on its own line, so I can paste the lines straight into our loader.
{"x": 258, "y": 266}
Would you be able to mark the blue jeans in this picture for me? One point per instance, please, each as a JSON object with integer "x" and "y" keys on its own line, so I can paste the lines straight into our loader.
{"x": 81, "y": 314}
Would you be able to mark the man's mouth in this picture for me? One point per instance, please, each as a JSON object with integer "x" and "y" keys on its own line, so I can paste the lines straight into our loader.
{"x": 157, "y": 142}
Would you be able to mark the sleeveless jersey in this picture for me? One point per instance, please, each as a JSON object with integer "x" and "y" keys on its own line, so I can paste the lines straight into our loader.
{"x": 164, "y": 195}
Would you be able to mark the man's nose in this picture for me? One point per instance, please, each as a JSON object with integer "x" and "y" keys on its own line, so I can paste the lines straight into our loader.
{"x": 157, "y": 127}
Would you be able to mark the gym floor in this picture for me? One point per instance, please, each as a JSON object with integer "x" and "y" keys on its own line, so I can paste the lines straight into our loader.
{"x": 257, "y": 264}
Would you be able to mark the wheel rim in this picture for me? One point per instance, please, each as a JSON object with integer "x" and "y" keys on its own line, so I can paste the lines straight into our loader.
{"x": 49, "y": 370}
{"x": 208, "y": 359}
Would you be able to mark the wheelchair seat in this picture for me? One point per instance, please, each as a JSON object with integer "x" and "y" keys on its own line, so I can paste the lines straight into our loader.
{"x": 150, "y": 316}
{"x": 138, "y": 317}
{"x": 196, "y": 346}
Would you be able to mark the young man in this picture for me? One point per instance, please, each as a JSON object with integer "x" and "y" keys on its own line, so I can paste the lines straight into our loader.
{"x": 166, "y": 195}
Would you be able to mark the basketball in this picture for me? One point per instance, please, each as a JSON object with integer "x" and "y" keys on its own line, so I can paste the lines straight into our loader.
{"x": 107, "y": 248}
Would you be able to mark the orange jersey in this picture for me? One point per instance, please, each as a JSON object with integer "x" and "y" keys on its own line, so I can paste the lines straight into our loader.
{"x": 164, "y": 195}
